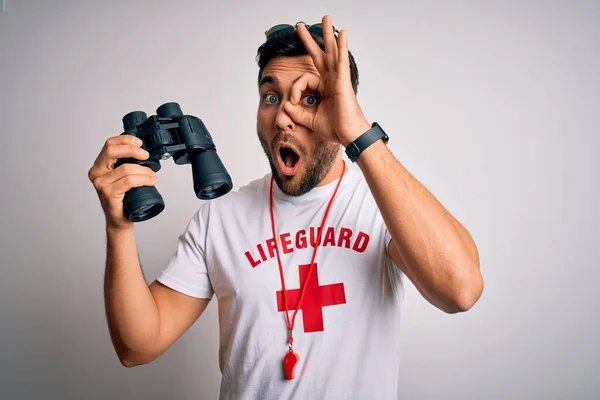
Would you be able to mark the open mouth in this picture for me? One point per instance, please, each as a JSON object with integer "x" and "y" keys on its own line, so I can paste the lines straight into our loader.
{"x": 289, "y": 159}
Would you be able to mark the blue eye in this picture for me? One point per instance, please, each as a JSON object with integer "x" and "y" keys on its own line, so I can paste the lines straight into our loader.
{"x": 310, "y": 100}
{"x": 271, "y": 98}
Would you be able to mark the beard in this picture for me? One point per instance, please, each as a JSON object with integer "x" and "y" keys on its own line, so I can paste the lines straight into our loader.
{"x": 316, "y": 165}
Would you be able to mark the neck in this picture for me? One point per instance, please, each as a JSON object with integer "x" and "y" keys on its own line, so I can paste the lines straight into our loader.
{"x": 334, "y": 173}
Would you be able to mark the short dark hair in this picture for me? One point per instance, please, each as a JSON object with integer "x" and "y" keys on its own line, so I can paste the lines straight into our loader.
{"x": 289, "y": 44}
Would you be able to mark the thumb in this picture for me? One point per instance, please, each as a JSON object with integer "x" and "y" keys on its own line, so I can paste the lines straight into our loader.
{"x": 300, "y": 115}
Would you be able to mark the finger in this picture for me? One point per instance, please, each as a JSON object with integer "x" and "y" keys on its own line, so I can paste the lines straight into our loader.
{"x": 123, "y": 171}
{"x": 331, "y": 48}
{"x": 300, "y": 115}
{"x": 307, "y": 81}
{"x": 313, "y": 48}
{"x": 111, "y": 153}
{"x": 343, "y": 64}
{"x": 123, "y": 139}
{"x": 117, "y": 151}
{"x": 129, "y": 182}
{"x": 111, "y": 185}
{"x": 99, "y": 166}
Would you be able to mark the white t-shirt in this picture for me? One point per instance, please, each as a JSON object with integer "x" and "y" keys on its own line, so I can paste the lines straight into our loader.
{"x": 347, "y": 332}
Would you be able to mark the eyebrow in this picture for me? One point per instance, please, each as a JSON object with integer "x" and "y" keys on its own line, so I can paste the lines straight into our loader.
{"x": 268, "y": 79}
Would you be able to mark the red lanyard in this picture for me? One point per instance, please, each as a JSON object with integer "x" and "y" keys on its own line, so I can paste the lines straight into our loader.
{"x": 291, "y": 358}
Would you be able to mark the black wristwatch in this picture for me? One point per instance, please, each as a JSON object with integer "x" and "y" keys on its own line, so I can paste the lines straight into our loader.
{"x": 365, "y": 140}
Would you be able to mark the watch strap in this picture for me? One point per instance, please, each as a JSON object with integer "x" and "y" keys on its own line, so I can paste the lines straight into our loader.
{"x": 355, "y": 148}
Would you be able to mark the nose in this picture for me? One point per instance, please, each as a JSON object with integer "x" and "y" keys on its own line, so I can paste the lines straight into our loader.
{"x": 283, "y": 121}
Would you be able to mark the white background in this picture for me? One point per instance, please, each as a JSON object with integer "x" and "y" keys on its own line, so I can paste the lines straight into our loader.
{"x": 494, "y": 106}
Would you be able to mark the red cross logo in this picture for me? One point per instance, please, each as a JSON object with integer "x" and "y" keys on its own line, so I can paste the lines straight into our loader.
{"x": 315, "y": 299}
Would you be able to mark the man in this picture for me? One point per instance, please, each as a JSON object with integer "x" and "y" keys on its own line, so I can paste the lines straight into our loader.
{"x": 319, "y": 238}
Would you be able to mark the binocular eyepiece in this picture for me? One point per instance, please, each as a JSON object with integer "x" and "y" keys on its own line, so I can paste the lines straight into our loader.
{"x": 170, "y": 134}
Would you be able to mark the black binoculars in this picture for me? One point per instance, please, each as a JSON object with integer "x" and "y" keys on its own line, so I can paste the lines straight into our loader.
{"x": 168, "y": 134}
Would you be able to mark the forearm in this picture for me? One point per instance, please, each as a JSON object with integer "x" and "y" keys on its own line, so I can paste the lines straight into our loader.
{"x": 437, "y": 252}
{"x": 132, "y": 314}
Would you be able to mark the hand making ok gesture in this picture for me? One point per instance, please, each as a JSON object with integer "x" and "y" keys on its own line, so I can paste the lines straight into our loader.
{"x": 338, "y": 116}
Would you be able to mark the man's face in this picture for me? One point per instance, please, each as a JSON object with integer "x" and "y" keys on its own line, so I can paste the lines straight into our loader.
{"x": 298, "y": 157}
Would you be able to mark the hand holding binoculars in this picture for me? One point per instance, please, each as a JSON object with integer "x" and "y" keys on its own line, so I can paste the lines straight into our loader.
{"x": 170, "y": 134}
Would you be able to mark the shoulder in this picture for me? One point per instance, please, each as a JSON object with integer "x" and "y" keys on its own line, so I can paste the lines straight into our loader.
{"x": 358, "y": 195}
{"x": 242, "y": 198}
{"x": 248, "y": 192}
{"x": 356, "y": 185}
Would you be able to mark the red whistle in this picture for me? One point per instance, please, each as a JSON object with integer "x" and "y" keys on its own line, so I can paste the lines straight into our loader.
{"x": 289, "y": 363}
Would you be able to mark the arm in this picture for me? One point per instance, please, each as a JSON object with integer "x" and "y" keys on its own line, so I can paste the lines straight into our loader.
{"x": 144, "y": 321}
{"x": 431, "y": 247}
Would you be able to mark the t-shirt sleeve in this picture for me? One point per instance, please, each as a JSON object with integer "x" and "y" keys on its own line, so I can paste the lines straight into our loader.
{"x": 388, "y": 241}
{"x": 186, "y": 271}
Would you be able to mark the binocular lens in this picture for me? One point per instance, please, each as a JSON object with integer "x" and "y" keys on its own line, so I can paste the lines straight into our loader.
{"x": 211, "y": 179}
{"x": 142, "y": 203}
{"x": 213, "y": 191}
{"x": 144, "y": 213}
